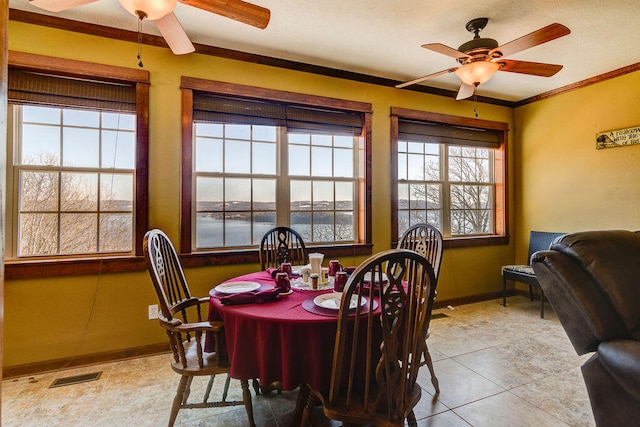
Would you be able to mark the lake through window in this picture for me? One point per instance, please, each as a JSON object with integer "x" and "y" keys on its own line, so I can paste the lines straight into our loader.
{"x": 248, "y": 178}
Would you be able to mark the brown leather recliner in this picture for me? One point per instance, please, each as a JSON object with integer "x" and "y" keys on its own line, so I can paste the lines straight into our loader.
{"x": 592, "y": 280}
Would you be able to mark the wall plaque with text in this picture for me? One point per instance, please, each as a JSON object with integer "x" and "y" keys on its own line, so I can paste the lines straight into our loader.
{"x": 618, "y": 138}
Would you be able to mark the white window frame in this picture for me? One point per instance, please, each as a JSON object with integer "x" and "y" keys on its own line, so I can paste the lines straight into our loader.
{"x": 14, "y": 145}
{"x": 283, "y": 182}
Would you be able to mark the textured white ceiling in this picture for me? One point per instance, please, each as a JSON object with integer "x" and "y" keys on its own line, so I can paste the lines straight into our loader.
{"x": 382, "y": 38}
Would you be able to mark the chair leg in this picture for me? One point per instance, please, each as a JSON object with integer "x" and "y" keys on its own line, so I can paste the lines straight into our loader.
{"x": 208, "y": 391}
{"x": 256, "y": 386}
{"x": 301, "y": 403}
{"x": 530, "y": 292}
{"x": 541, "y": 304}
{"x": 429, "y": 363}
{"x": 177, "y": 400}
{"x": 312, "y": 401}
{"x": 411, "y": 419}
{"x": 504, "y": 292}
{"x": 187, "y": 390}
{"x": 246, "y": 398}
{"x": 226, "y": 388}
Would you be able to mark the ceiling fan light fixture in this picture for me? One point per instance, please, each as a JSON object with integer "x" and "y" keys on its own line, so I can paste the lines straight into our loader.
{"x": 476, "y": 73}
{"x": 152, "y": 9}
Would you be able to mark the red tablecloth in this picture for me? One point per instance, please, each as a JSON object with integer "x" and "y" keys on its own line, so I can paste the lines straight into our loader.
{"x": 277, "y": 341}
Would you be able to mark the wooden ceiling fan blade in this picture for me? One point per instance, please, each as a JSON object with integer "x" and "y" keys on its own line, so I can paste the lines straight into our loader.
{"x": 532, "y": 68}
{"x": 465, "y": 91}
{"x": 174, "y": 34}
{"x": 543, "y": 35}
{"x": 237, "y": 10}
{"x": 58, "y": 5}
{"x": 445, "y": 50}
{"x": 428, "y": 76}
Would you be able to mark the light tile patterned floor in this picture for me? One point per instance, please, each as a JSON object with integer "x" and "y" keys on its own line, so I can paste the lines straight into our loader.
{"x": 497, "y": 367}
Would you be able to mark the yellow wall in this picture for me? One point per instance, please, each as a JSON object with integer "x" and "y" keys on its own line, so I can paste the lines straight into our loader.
{"x": 54, "y": 318}
{"x": 562, "y": 182}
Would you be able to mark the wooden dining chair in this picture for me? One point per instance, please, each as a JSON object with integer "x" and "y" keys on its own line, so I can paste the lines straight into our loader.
{"x": 186, "y": 338}
{"x": 377, "y": 354}
{"x": 282, "y": 244}
{"x": 427, "y": 241}
{"x": 278, "y": 245}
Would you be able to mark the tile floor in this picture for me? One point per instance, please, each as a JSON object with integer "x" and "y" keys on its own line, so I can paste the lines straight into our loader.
{"x": 497, "y": 366}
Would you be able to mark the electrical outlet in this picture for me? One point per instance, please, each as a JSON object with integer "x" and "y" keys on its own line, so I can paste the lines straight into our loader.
{"x": 153, "y": 311}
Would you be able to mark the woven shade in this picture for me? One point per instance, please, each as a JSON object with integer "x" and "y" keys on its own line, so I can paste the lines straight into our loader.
{"x": 296, "y": 118}
{"x": 27, "y": 87}
{"x": 447, "y": 134}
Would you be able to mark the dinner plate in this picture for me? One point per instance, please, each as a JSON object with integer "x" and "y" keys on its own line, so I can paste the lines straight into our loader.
{"x": 367, "y": 277}
{"x": 237, "y": 287}
{"x": 332, "y": 301}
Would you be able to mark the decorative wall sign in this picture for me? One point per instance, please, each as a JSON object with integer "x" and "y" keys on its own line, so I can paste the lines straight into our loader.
{"x": 618, "y": 138}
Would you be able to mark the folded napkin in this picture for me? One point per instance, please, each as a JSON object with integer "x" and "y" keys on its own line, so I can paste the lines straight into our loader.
{"x": 251, "y": 297}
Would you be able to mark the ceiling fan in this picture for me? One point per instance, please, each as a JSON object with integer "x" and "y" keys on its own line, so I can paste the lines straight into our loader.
{"x": 161, "y": 13}
{"x": 480, "y": 57}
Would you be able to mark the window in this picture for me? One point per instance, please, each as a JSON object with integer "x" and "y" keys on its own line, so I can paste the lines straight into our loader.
{"x": 449, "y": 172}
{"x": 74, "y": 181}
{"x": 261, "y": 163}
{"x": 77, "y": 155}
{"x": 237, "y": 181}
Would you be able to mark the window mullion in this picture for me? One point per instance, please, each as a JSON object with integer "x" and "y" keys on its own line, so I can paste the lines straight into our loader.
{"x": 283, "y": 181}
{"x": 446, "y": 191}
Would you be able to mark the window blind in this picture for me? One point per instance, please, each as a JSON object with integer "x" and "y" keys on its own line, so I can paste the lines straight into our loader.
{"x": 439, "y": 133}
{"x": 296, "y": 118}
{"x": 26, "y": 87}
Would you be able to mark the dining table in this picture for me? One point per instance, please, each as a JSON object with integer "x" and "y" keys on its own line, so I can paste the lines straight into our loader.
{"x": 289, "y": 340}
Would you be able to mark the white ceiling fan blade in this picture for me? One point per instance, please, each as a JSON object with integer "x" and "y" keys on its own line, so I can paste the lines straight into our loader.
{"x": 428, "y": 76}
{"x": 58, "y": 5}
{"x": 465, "y": 91}
{"x": 174, "y": 34}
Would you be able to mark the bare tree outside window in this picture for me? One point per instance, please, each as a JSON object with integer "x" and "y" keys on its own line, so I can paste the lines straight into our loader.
{"x": 470, "y": 190}
{"x": 450, "y": 187}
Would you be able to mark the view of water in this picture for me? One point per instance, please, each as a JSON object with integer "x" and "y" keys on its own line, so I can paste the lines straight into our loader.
{"x": 209, "y": 232}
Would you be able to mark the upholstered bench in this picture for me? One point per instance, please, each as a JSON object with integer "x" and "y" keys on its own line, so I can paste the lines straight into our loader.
{"x": 538, "y": 241}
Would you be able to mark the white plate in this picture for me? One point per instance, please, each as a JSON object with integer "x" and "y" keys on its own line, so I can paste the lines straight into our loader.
{"x": 332, "y": 301}
{"x": 367, "y": 277}
{"x": 237, "y": 287}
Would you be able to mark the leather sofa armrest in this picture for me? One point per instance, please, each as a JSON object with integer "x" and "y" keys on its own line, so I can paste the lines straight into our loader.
{"x": 622, "y": 359}
{"x": 584, "y": 311}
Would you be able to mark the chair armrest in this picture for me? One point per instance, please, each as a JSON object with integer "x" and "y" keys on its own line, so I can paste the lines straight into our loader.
{"x": 215, "y": 326}
{"x": 177, "y": 325}
{"x": 182, "y": 305}
{"x": 622, "y": 359}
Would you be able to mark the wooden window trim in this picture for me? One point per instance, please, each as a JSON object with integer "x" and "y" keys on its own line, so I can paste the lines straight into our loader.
{"x": 62, "y": 266}
{"x": 188, "y": 85}
{"x": 500, "y": 237}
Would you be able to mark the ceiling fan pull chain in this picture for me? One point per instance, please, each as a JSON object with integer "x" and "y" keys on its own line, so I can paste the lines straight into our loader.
{"x": 140, "y": 42}
{"x": 475, "y": 100}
